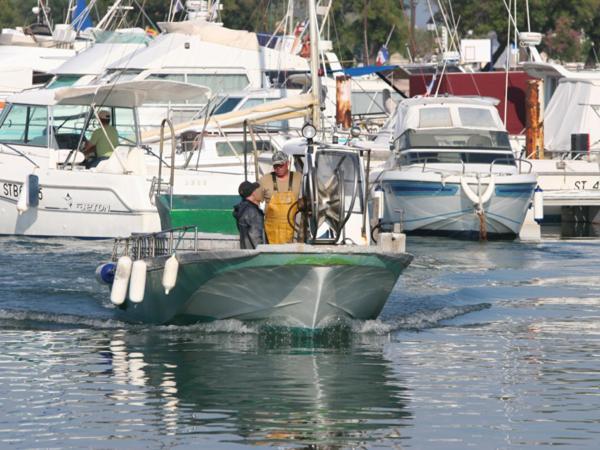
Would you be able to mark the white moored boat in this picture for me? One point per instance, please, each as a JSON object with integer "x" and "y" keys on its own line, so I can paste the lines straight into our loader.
{"x": 452, "y": 171}
{"x": 46, "y": 190}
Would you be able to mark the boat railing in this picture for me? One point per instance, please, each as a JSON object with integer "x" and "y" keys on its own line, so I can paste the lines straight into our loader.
{"x": 150, "y": 245}
{"x": 520, "y": 162}
{"x": 168, "y": 242}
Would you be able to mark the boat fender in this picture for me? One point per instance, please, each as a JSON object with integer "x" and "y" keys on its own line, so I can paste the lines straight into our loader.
{"x": 538, "y": 204}
{"x": 378, "y": 200}
{"x": 487, "y": 195}
{"x": 170, "y": 274}
{"x": 105, "y": 273}
{"x": 29, "y": 194}
{"x": 468, "y": 192}
{"x": 121, "y": 281}
{"x": 137, "y": 282}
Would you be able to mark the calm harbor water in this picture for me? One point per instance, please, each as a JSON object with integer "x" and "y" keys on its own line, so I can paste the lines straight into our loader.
{"x": 482, "y": 346}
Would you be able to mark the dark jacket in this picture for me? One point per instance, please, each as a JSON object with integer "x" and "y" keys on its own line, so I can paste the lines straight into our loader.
{"x": 251, "y": 224}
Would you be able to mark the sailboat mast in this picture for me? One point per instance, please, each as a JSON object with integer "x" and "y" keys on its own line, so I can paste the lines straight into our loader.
{"x": 314, "y": 62}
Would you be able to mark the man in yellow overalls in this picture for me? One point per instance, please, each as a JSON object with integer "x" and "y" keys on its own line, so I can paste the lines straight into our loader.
{"x": 281, "y": 189}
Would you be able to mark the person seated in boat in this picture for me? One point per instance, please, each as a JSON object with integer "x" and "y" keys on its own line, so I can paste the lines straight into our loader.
{"x": 249, "y": 217}
{"x": 102, "y": 142}
{"x": 281, "y": 193}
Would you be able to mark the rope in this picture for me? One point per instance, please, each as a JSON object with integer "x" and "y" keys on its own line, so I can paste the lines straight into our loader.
{"x": 483, "y": 236}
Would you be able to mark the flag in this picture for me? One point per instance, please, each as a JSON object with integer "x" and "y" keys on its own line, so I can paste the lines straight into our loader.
{"x": 151, "y": 31}
{"x": 177, "y": 7}
{"x": 81, "y": 16}
{"x": 430, "y": 85}
{"x": 382, "y": 56}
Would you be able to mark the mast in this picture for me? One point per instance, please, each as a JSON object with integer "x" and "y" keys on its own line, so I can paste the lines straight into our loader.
{"x": 314, "y": 62}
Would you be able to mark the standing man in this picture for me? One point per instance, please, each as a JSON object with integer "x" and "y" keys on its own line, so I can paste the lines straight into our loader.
{"x": 249, "y": 217}
{"x": 281, "y": 192}
{"x": 102, "y": 142}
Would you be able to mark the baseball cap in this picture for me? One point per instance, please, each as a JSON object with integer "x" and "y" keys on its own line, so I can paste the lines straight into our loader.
{"x": 247, "y": 188}
{"x": 279, "y": 157}
{"x": 104, "y": 115}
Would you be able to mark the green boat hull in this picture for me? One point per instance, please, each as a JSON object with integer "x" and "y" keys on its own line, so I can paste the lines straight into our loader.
{"x": 307, "y": 289}
{"x": 209, "y": 213}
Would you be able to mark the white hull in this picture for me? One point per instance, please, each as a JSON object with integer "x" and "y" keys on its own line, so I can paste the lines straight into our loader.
{"x": 426, "y": 204}
{"x": 93, "y": 204}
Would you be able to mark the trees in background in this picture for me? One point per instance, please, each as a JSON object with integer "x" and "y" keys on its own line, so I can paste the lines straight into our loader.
{"x": 358, "y": 28}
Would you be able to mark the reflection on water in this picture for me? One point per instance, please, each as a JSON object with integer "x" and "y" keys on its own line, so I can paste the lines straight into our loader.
{"x": 262, "y": 392}
{"x": 178, "y": 385}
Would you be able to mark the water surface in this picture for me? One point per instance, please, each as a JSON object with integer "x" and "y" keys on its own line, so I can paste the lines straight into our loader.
{"x": 481, "y": 346}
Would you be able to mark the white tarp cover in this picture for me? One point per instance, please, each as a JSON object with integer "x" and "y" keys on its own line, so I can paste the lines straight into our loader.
{"x": 130, "y": 94}
{"x": 574, "y": 108}
{"x": 286, "y": 108}
{"x": 216, "y": 34}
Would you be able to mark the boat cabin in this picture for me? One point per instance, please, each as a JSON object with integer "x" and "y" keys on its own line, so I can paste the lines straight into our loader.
{"x": 55, "y": 124}
{"x": 450, "y": 130}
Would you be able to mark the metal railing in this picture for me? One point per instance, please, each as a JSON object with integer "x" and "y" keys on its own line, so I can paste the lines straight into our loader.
{"x": 167, "y": 242}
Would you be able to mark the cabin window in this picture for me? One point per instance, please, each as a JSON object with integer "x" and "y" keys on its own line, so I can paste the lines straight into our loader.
{"x": 166, "y": 77}
{"x": 451, "y": 157}
{"x": 228, "y": 105}
{"x": 234, "y": 148}
{"x": 434, "y": 118}
{"x": 483, "y": 140}
{"x": 224, "y": 148}
{"x": 69, "y": 121}
{"x": 25, "y": 124}
{"x": 118, "y": 75}
{"x": 63, "y": 81}
{"x": 364, "y": 103}
{"x": 219, "y": 83}
{"x": 476, "y": 117}
{"x": 252, "y": 102}
{"x": 124, "y": 122}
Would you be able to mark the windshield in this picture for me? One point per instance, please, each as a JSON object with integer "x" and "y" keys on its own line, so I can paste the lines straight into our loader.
{"x": 25, "y": 124}
{"x": 71, "y": 120}
{"x": 453, "y": 157}
{"x": 228, "y": 105}
{"x": 29, "y": 124}
{"x": 485, "y": 140}
{"x": 63, "y": 81}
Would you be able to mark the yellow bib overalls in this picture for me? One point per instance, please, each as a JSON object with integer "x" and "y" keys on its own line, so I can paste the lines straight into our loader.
{"x": 277, "y": 226}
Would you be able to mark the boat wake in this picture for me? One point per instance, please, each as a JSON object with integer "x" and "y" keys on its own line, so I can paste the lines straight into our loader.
{"x": 417, "y": 320}
{"x": 272, "y": 329}
{"x": 41, "y": 320}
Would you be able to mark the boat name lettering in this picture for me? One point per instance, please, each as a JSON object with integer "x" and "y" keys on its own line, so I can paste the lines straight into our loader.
{"x": 92, "y": 207}
{"x": 586, "y": 184}
{"x": 13, "y": 190}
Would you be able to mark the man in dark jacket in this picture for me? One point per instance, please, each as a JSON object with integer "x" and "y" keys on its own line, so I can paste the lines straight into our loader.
{"x": 250, "y": 218}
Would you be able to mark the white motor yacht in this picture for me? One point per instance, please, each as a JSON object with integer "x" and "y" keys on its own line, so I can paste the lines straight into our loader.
{"x": 45, "y": 187}
{"x": 452, "y": 171}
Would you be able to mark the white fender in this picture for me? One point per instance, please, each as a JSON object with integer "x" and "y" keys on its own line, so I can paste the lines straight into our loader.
{"x": 487, "y": 195}
{"x": 468, "y": 192}
{"x": 22, "y": 202}
{"x": 538, "y": 204}
{"x": 137, "y": 282}
{"x": 119, "y": 287}
{"x": 169, "y": 278}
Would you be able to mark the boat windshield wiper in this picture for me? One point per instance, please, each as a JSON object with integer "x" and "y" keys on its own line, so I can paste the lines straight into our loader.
{"x": 20, "y": 153}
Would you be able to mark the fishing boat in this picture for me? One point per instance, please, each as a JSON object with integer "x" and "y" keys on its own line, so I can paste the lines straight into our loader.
{"x": 335, "y": 272}
{"x": 332, "y": 271}
{"x": 452, "y": 171}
